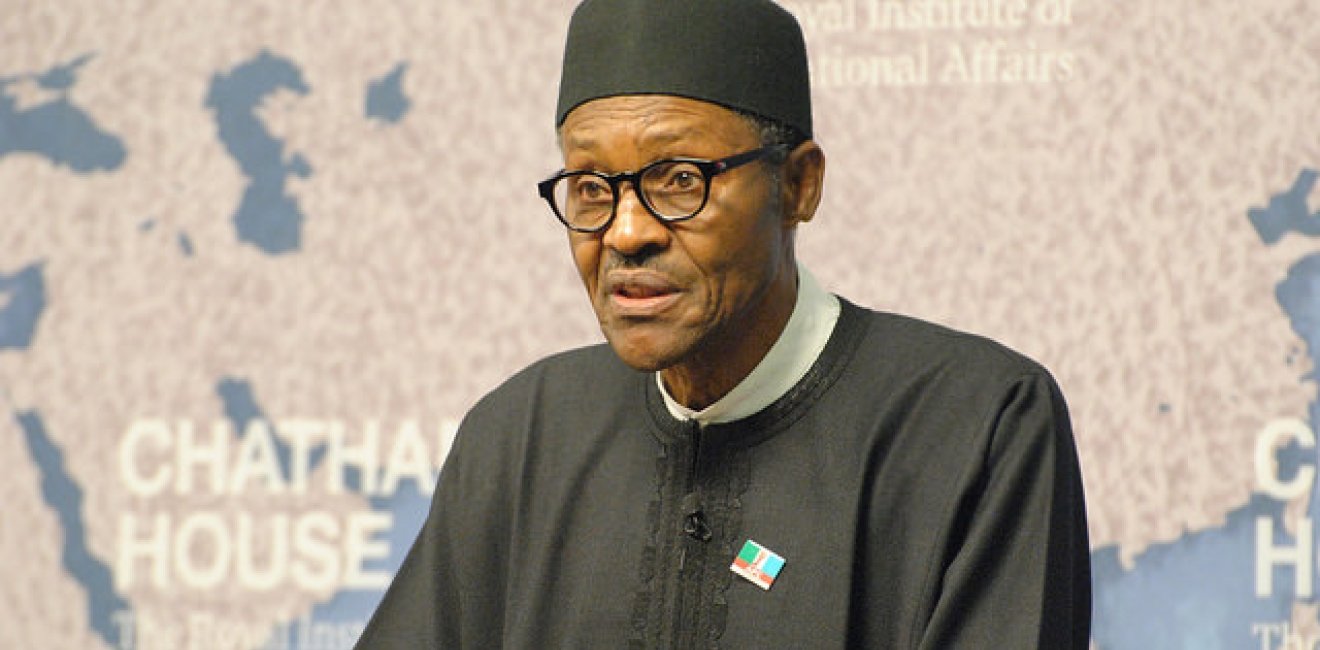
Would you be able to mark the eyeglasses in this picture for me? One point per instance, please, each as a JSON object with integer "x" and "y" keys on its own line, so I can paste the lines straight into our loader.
{"x": 672, "y": 190}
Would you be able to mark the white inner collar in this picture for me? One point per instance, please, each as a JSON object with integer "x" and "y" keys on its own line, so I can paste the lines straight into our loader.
{"x": 799, "y": 345}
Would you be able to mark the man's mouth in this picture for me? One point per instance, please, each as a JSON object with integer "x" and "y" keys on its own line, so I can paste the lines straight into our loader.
{"x": 640, "y": 293}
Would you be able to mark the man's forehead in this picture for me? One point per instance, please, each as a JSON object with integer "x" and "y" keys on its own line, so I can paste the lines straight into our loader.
{"x": 651, "y": 120}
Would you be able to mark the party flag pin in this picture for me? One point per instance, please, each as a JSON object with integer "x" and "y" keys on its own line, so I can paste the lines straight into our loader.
{"x": 758, "y": 564}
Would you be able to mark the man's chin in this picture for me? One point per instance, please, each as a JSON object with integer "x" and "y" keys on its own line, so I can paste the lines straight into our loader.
{"x": 644, "y": 352}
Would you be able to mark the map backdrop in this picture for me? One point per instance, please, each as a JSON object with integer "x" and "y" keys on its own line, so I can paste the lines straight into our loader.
{"x": 257, "y": 259}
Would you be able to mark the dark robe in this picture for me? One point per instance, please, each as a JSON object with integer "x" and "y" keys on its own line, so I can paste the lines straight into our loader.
{"x": 921, "y": 484}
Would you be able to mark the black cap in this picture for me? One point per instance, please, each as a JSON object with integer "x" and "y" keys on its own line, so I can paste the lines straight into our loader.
{"x": 744, "y": 54}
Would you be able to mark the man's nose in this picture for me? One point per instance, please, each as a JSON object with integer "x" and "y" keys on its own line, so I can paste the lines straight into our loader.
{"x": 634, "y": 228}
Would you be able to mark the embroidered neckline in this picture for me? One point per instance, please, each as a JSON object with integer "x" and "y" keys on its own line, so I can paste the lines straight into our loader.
{"x": 723, "y": 476}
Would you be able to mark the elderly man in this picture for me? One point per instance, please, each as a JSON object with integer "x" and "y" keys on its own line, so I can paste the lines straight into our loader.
{"x": 751, "y": 462}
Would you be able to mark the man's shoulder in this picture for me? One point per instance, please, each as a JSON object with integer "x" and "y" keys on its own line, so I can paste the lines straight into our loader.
{"x": 590, "y": 372}
{"x": 908, "y": 344}
{"x": 956, "y": 386}
{"x": 559, "y": 402}
{"x": 590, "y": 361}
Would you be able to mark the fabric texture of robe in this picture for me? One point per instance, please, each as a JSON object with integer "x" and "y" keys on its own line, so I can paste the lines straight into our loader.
{"x": 921, "y": 484}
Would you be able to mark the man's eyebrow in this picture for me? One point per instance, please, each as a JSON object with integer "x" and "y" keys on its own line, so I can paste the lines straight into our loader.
{"x": 665, "y": 137}
{"x": 576, "y": 141}
{"x": 587, "y": 141}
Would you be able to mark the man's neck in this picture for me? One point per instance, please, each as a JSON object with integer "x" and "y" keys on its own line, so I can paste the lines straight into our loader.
{"x": 726, "y": 359}
{"x": 793, "y": 352}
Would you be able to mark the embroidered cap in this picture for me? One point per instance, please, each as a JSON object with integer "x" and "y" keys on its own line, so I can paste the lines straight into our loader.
{"x": 744, "y": 54}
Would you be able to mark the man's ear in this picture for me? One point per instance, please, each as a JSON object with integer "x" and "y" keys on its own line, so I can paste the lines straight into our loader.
{"x": 803, "y": 176}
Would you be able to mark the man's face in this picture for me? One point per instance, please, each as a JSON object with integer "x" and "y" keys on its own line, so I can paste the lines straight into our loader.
{"x": 700, "y": 290}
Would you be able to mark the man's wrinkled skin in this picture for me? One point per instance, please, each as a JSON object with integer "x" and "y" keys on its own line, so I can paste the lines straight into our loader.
{"x": 700, "y": 300}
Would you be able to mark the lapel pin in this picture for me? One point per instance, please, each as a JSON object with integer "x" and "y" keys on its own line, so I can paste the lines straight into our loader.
{"x": 758, "y": 564}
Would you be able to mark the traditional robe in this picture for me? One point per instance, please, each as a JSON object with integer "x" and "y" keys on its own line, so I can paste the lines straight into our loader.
{"x": 921, "y": 485}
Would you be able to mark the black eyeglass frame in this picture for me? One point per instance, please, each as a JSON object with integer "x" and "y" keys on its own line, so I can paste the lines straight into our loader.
{"x": 709, "y": 170}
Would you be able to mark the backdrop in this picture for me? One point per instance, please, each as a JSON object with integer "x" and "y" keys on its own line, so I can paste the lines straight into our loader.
{"x": 257, "y": 259}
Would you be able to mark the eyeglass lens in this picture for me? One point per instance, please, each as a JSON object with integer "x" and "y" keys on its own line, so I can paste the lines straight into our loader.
{"x": 672, "y": 189}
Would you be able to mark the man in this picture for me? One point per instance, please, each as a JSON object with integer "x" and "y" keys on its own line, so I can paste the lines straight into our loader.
{"x": 751, "y": 462}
